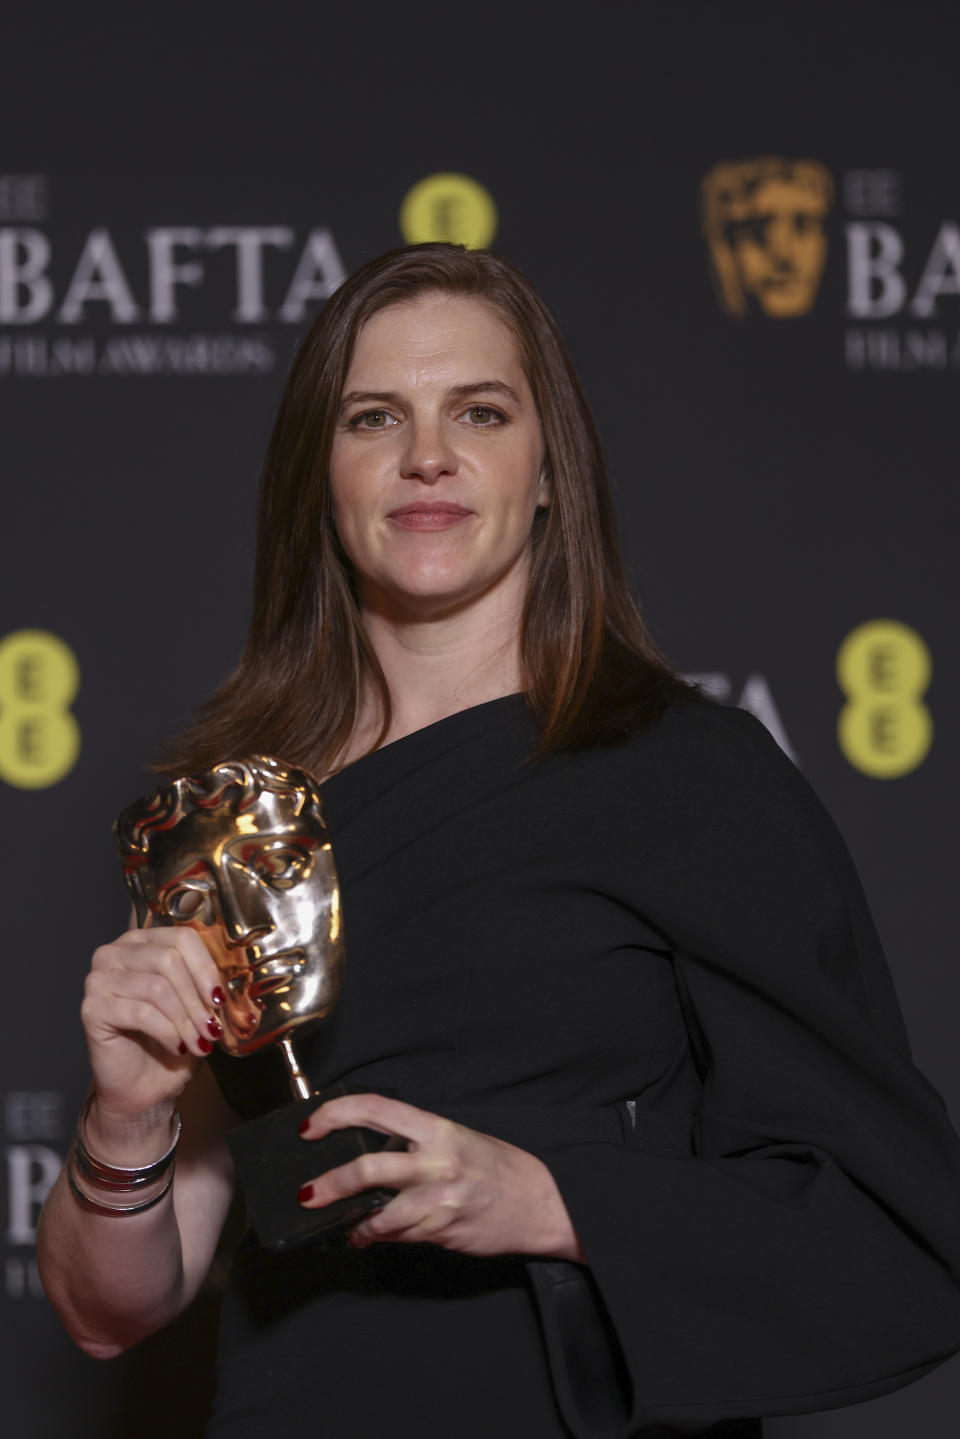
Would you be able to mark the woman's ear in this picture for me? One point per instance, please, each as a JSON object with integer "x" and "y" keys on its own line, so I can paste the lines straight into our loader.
{"x": 545, "y": 490}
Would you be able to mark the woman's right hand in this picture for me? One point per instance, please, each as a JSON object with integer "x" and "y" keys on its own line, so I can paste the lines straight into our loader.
{"x": 150, "y": 1016}
{"x": 111, "y": 1280}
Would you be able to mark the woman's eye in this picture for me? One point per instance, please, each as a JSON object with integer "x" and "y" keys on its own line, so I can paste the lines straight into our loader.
{"x": 485, "y": 415}
{"x": 372, "y": 420}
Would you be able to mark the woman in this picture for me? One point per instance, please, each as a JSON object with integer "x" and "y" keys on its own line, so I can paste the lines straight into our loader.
{"x": 670, "y": 1166}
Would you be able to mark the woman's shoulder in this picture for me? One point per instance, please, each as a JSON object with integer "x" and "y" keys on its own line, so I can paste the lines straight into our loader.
{"x": 711, "y": 737}
{"x": 709, "y": 765}
{"x": 719, "y": 770}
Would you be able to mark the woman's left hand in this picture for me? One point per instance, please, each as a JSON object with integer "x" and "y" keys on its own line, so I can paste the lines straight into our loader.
{"x": 459, "y": 1189}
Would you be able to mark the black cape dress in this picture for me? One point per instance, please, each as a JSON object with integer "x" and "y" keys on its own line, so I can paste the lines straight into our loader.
{"x": 651, "y": 965}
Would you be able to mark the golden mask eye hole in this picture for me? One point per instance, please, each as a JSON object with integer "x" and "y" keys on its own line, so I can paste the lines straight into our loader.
{"x": 184, "y": 903}
{"x": 280, "y": 867}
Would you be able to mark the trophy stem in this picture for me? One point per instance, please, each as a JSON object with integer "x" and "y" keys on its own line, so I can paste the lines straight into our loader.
{"x": 298, "y": 1080}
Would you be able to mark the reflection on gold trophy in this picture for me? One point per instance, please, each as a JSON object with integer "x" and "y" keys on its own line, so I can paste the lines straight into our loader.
{"x": 764, "y": 225}
{"x": 241, "y": 855}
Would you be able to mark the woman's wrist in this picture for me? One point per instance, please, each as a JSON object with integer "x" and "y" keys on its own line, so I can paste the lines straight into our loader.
{"x": 563, "y": 1242}
{"x": 129, "y": 1140}
{"x": 556, "y": 1237}
{"x": 106, "y": 1188}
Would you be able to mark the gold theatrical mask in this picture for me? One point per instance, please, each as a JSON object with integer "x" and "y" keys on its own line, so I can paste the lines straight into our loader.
{"x": 242, "y": 856}
{"x": 764, "y": 225}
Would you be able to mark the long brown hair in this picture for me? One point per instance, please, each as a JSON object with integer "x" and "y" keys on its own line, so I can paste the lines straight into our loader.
{"x": 591, "y": 672}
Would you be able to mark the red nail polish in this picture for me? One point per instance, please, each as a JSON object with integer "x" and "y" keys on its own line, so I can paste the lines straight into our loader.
{"x": 181, "y": 1048}
{"x": 304, "y": 1192}
{"x": 215, "y": 1027}
{"x": 204, "y": 1044}
{"x": 302, "y": 1128}
{"x": 218, "y": 996}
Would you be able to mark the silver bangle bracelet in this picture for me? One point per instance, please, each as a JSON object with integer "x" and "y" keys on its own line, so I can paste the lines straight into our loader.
{"x": 110, "y": 1176}
{"x": 113, "y": 1210}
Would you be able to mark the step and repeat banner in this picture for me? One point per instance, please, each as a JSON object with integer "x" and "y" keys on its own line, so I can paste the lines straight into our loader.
{"x": 751, "y": 239}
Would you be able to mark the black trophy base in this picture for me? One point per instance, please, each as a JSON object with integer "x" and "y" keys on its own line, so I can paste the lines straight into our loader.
{"x": 272, "y": 1162}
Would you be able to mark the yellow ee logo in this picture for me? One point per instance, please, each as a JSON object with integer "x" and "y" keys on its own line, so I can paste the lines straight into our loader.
{"x": 885, "y": 730}
{"x": 39, "y": 737}
{"x": 449, "y": 207}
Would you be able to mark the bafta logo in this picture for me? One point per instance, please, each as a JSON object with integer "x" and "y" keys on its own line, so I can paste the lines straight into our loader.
{"x": 764, "y": 225}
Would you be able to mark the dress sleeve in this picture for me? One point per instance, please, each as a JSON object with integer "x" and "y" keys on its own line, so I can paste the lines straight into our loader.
{"x": 804, "y": 1251}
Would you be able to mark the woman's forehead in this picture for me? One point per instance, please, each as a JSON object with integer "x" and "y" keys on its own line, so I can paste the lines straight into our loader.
{"x": 433, "y": 330}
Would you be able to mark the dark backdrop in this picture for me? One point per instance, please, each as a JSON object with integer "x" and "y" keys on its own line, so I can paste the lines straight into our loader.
{"x": 771, "y": 348}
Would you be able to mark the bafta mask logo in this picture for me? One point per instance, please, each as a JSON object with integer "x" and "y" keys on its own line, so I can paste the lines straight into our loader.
{"x": 764, "y": 223}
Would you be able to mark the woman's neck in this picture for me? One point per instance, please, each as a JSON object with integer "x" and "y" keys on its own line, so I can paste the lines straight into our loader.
{"x": 436, "y": 667}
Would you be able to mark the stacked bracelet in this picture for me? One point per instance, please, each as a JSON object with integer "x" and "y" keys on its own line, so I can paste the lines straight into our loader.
{"x": 113, "y": 1179}
{"x": 113, "y": 1209}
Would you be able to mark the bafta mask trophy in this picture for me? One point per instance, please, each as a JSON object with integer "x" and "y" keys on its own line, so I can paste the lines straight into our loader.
{"x": 242, "y": 855}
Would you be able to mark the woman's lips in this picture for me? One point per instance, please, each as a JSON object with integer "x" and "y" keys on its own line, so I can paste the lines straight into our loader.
{"x": 437, "y": 516}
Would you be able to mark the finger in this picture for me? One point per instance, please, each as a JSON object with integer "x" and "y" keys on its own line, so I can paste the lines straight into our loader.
{"x": 375, "y": 1111}
{"x": 130, "y": 1016}
{"x": 135, "y": 947}
{"x": 388, "y": 1169}
{"x": 165, "y": 962}
{"x": 415, "y": 1216}
{"x": 147, "y": 987}
{"x": 196, "y": 957}
{"x": 163, "y": 954}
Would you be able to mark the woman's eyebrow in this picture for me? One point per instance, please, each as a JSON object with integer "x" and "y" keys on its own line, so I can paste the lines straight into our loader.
{"x": 456, "y": 392}
{"x": 496, "y": 387}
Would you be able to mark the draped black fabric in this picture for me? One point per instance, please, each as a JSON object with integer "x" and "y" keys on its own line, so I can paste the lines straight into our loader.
{"x": 651, "y": 965}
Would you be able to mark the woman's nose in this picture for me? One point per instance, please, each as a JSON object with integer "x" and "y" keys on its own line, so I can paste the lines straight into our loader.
{"x": 428, "y": 454}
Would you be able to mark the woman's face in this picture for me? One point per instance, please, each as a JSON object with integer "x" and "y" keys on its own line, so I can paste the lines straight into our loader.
{"x": 437, "y": 460}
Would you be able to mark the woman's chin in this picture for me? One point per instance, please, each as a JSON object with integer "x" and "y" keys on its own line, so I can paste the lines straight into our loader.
{"x": 434, "y": 592}
{"x": 419, "y": 606}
